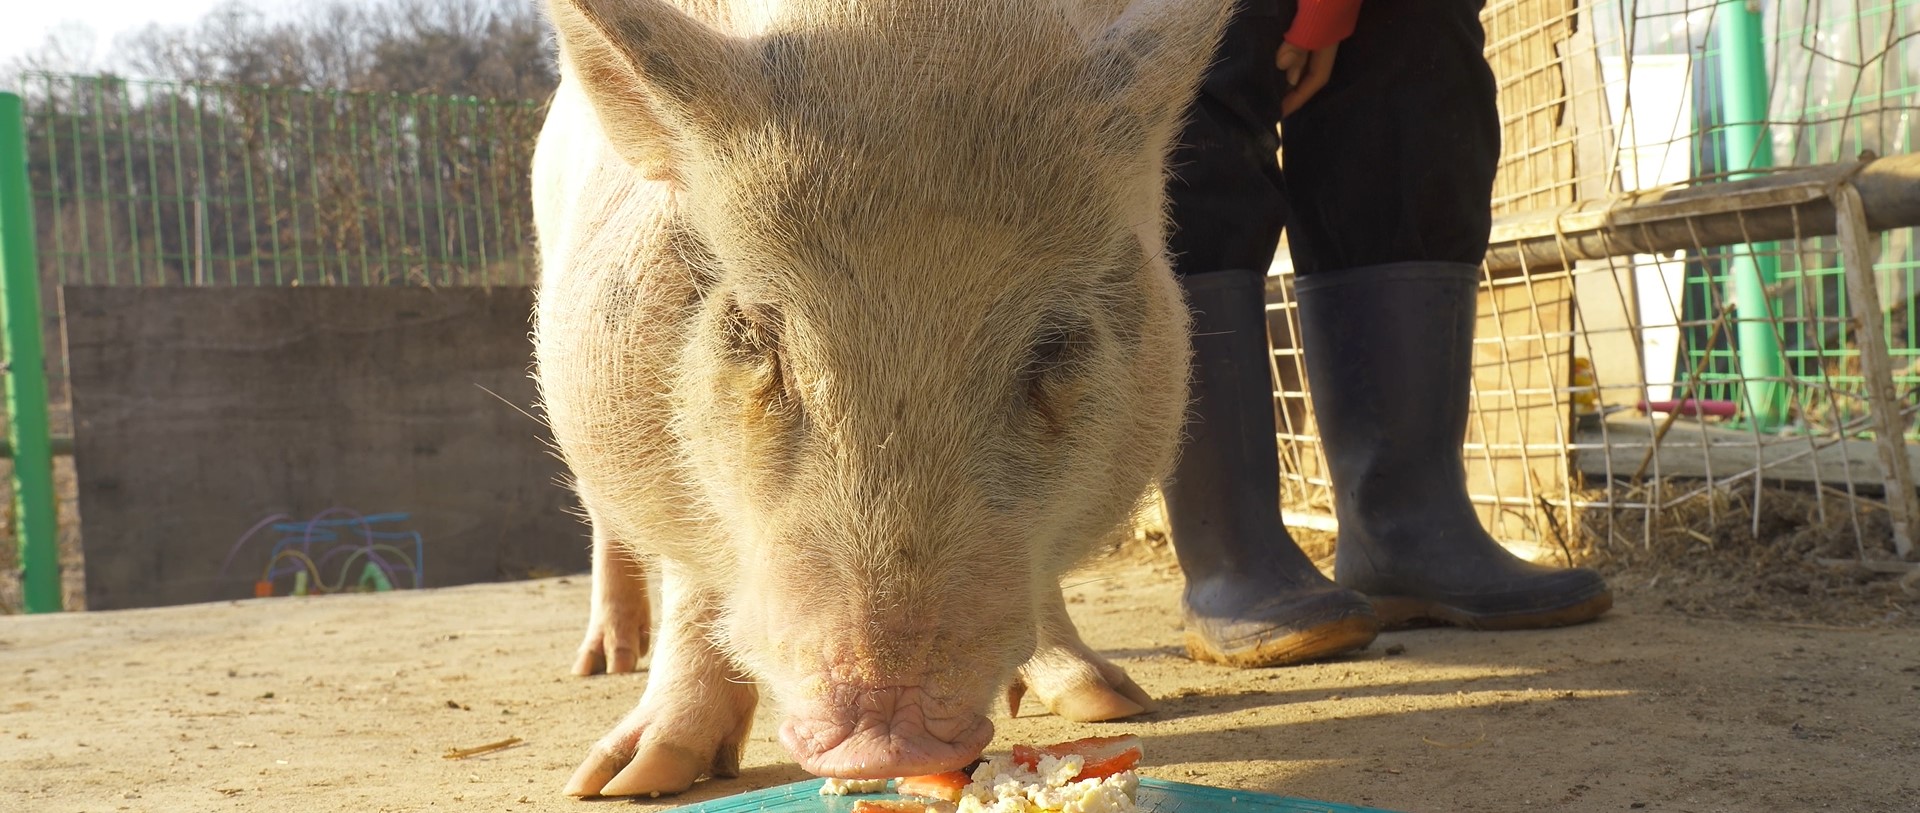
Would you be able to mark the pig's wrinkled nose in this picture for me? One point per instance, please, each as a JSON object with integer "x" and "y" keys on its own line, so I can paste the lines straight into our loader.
{"x": 882, "y": 734}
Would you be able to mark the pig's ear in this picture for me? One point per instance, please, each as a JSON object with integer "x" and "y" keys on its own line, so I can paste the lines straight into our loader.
{"x": 656, "y": 77}
{"x": 1148, "y": 64}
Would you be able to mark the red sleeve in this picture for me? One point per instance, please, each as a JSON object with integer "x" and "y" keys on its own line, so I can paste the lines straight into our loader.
{"x": 1320, "y": 23}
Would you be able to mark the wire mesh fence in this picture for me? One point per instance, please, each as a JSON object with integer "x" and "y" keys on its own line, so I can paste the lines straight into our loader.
{"x": 179, "y": 183}
{"x": 1607, "y": 96}
{"x": 1716, "y": 341}
{"x": 158, "y": 183}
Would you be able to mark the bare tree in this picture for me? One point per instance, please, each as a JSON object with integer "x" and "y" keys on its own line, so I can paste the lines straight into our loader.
{"x": 487, "y": 48}
{"x": 68, "y": 47}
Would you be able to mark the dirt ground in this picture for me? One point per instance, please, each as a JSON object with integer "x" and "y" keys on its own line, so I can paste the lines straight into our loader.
{"x": 349, "y": 703}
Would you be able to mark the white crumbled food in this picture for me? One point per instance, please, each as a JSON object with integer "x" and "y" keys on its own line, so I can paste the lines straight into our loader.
{"x": 847, "y": 787}
{"x": 1001, "y": 786}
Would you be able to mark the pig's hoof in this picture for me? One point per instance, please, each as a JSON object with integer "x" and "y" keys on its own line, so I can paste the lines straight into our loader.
{"x": 610, "y": 649}
{"x": 650, "y": 767}
{"x": 616, "y": 641}
{"x": 666, "y": 745}
{"x": 659, "y": 770}
{"x": 1078, "y": 685}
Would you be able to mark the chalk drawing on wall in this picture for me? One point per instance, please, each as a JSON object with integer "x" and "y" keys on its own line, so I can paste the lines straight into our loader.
{"x": 336, "y": 551}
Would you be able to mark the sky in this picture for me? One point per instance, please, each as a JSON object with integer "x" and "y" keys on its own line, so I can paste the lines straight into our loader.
{"x": 29, "y": 21}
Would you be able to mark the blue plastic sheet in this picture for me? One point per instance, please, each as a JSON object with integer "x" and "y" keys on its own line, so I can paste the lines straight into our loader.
{"x": 1155, "y": 796}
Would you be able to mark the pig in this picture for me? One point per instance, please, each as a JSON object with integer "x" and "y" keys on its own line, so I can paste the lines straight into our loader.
{"x": 855, "y": 321}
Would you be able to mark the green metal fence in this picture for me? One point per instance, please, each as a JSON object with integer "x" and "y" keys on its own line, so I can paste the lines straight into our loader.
{"x": 1782, "y": 85}
{"x": 165, "y": 183}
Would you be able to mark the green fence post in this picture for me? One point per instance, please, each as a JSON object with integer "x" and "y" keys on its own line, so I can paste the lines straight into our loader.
{"x": 34, "y": 521}
{"x": 1742, "y": 63}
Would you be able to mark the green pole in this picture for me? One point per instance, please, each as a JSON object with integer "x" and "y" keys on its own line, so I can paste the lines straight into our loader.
{"x": 34, "y": 521}
{"x": 1742, "y": 63}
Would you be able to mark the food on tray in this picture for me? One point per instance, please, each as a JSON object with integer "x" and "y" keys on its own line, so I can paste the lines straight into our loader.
{"x": 1053, "y": 783}
{"x": 1092, "y": 775}
{"x": 845, "y": 787}
{"x": 892, "y": 806}
{"x": 1104, "y": 756}
{"x": 943, "y": 786}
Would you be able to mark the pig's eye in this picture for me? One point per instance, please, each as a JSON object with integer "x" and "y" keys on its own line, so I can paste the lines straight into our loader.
{"x": 753, "y": 341}
{"x": 1054, "y": 353}
{"x": 752, "y": 333}
{"x": 1051, "y": 350}
{"x": 1047, "y": 379}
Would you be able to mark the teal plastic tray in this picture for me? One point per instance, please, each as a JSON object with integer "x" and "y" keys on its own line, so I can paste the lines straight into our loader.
{"x": 1155, "y": 796}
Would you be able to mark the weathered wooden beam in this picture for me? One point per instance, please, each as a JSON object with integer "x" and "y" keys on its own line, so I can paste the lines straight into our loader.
{"x": 1658, "y": 221}
{"x": 1876, "y": 364}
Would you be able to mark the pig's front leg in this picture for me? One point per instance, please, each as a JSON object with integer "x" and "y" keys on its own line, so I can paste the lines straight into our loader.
{"x": 1070, "y": 678}
{"x": 619, "y": 620}
{"x": 692, "y": 720}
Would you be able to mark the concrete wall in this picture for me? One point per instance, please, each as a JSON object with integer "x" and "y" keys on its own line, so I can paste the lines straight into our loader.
{"x": 201, "y": 413}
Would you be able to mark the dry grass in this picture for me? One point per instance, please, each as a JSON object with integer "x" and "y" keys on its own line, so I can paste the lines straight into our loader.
{"x": 1738, "y": 553}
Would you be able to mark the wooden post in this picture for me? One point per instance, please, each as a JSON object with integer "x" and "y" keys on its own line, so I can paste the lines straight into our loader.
{"x": 1876, "y": 364}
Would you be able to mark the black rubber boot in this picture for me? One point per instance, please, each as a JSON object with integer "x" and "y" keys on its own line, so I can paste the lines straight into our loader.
{"x": 1389, "y": 362}
{"x": 1252, "y": 598}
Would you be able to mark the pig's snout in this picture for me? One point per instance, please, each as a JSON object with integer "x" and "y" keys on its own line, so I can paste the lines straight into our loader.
{"x": 881, "y": 733}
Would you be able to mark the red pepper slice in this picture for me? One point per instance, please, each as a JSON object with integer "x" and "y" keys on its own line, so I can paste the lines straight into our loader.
{"x": 1105, "y": 756}
{"x": 946, "y": 786}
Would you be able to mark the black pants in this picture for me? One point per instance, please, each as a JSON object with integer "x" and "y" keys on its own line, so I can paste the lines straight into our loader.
{"x": 1392, "y": 161}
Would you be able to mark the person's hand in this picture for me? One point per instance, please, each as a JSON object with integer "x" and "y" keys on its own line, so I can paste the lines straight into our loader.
{"x": 1307, "y": 72}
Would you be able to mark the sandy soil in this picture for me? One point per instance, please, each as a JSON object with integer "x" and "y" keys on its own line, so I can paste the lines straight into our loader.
{"x": 349, "y": 703}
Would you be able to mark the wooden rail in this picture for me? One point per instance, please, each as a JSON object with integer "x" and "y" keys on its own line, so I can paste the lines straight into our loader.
{"x": 1667, "y": 219}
